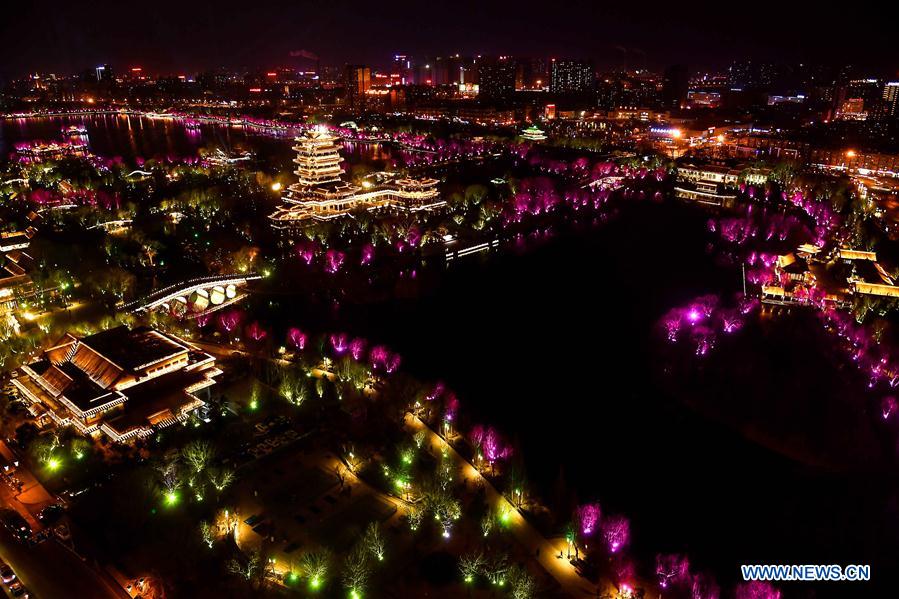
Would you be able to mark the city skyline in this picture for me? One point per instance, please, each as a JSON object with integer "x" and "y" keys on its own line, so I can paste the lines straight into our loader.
{"x": 511, "y": 300}
{"x": 202, "y": 37}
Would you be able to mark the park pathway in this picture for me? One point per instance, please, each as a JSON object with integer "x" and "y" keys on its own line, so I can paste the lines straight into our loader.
{"x": 560, "y": 568}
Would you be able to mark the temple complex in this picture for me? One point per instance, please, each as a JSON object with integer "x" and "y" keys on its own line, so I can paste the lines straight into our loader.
{"x": 321, "y": 194}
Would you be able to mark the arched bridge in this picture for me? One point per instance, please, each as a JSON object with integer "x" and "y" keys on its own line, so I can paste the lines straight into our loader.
{"x": 195, "y": 296}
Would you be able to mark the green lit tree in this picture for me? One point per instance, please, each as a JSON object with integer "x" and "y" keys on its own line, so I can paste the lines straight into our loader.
{"x": 315, "y": 566}
{"x": 374, "y": 543}
{"x": 198, "y": 454}
{"x": 220, "y": 478}
{"x": 247, "y": 568}
{"x": 521, "y": 583}
{"x": 471, "y": 565}
{"x": 207, "y": 533}
{"x": 496, "y": 568}
{"x": 356, "y": 571}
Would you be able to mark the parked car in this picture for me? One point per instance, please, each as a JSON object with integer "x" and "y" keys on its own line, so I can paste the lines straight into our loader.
{"x": 6, "y": 573}
{"x": 16, "y": 524}
{"x": 51, "y": 513}
{"x": 17, "y": 589}
{"x": 63, "y": 533}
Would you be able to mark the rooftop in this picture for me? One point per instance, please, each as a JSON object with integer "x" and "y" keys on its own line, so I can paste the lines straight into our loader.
{"x": 131, "y": 350}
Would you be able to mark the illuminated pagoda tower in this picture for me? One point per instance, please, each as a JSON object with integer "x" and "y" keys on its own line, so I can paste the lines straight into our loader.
{"x": 318, "y": 159}
{"x": 532, "y": 133}
{"x": 321, "y": 194}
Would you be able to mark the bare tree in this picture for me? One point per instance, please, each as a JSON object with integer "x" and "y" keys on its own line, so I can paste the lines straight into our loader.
{"x": 221, "y": 478}
{"x": 420, "y": 438}
{"x": 471, "y": 565}
{"x": 497, "y": 567}
{"x": 207, "y": 533}
{"x": 416, "y": 515}
{"x": 373, "y": 541}
{"x": 169, "y": 477}
{"x": 521, "y": 582}
{"x": 315, "y": 565}
{"x": 356, "y": 571}
{"x": 198, "y": 454}
{"x": 246, "y": 569}
{"x": 488, "y": 522}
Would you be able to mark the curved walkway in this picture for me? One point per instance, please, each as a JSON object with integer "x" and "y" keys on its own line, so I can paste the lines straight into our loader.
{"x": 562, "y": 570}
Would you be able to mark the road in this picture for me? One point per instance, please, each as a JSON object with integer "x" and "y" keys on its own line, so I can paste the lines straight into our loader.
{"x": 50, "y": 571}
{"x": 560, "y": 569}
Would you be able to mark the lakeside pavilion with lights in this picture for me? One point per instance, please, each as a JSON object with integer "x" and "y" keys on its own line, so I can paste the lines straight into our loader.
{"x": 321, "y": 194}
{"x": 124, "y": 383}
{"x": 533, "y": 133}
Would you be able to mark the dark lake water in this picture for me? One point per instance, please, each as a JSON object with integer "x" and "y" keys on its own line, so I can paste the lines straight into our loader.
{"x": 559, "y": 349}
{"x": 132, "y": 136}
{"x": 764, "y": 452}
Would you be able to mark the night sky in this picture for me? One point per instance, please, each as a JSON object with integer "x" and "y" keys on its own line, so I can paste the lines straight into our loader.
{"x": 186, "y": 36}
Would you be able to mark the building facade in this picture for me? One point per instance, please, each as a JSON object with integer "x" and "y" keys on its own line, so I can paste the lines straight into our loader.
{"x": 571, "y": 77}
{"x": 124, "y": 383}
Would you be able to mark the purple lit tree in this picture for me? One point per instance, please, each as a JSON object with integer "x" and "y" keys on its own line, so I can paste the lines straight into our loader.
{"x": 672, "y": 569}
{"x": 757, "y": 590}
{"x": 230, "y": 320}
{"x": 256, "y": 332}
{"x": 587, "y": 517}
{"x": 357, "y": 348}
{"x": 616, "y": 532}
{"x": 366, "y": 254}
{"x": 334, "y": 260}
{"x": 379, "y": 357}
{"x": 888, "y": 406}
{"x": 297, "y": 338}
{"x": 339, "y": 343}
{"x": 704, "y": 587}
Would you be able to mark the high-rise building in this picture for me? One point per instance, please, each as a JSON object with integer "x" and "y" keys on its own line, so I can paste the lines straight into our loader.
{"x": 104, "y": 73}
{"x": 357, "y": 82}
{"x": 675, "y": 85}
{"x": 531, "y": 74}
{"x": 571, "y": 77}
{"x": 891, "y": 99}
{"x": 496, "y": 78}
{"x": 860, "y": 99}
{"x": 627, "y": 90}
{"x": 425, "y": 73}
{"x": 403, "y": 69}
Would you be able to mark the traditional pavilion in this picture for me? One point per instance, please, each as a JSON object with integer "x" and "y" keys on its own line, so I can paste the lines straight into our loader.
{"x": 124, "y": 383}
{"x": 320, "y": 192}
{"x": 840, "y": 273}
{"x": 532, "y": 133}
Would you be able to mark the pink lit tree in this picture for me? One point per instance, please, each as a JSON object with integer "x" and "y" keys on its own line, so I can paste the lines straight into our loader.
{"x": 704, "y": 587}
{"x": 297, "y": 338}
{"x": 888, "y": 406}
{"x": 757, "y": 590}
{"x": 339, "y": 343}
{"x": 672, "y": 569}
{"x": 616, "y": 532}
{"x": 587, "y": 517}
{"x": 334, "y": 260}
{"x": 357, "y": 348}
{"x": 230, "y": 320}
{"x": 379, "y": 356}
{"x": 491, "y": 445}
